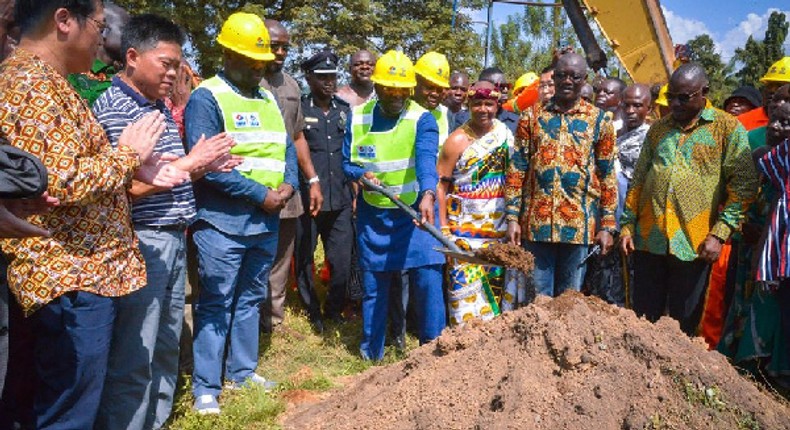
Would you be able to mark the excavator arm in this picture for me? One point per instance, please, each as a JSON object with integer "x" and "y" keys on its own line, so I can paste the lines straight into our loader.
{"x": 636, "y": 31}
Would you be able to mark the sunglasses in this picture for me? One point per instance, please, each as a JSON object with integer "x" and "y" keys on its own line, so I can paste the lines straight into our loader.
{"x": 683, "y": 98}
{"x": 574, "y": 77}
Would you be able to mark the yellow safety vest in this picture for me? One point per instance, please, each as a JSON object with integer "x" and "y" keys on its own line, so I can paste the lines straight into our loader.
{"x": 257, "y": 127}
{"x": 390, "y": 155}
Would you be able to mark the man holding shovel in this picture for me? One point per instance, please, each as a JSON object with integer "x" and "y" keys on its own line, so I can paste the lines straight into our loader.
{"x": 392, "y": 142}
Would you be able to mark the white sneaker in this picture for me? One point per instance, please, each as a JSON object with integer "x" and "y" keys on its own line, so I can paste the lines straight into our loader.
{"x": 267, "y": 384}
{"x": 206, "y": 405}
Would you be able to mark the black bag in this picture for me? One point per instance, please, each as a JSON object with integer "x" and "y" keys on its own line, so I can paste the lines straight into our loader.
{"x": 22, "y": 175}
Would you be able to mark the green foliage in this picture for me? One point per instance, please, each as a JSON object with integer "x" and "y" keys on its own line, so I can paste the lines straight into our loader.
{"x": 757, "y": 56}
{"x": 521, "y": 44}
{"x": 415, "y": 26}
{"x": 703, "y": 51}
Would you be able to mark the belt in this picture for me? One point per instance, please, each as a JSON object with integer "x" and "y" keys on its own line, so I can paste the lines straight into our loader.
{"x": 180, "y": 227}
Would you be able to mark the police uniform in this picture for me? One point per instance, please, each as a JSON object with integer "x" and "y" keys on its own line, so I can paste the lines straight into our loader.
{"x": 324, "y": 132}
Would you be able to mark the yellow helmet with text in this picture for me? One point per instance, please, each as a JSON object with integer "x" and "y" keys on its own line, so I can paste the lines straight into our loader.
{"x": 246, "y": 34}
{"x": 394, "y": 69}
{"x": 434, "y": 67}
{"x": 778, "y": 72}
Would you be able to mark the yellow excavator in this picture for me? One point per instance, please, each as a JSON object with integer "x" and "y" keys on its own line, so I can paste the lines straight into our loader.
{"x": 636, "y": 31}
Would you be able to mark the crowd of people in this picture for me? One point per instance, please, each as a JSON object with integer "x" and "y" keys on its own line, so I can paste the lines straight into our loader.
{"x": 129, "y": 184}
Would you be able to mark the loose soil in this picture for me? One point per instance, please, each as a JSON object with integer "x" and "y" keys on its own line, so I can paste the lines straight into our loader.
{"x": 507, "y": 255}
{"x": 569, "y": 363}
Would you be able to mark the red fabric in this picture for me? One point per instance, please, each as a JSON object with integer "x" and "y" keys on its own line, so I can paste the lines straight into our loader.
{"x": 755, "y": 118}
{"x": 713, "y": 314}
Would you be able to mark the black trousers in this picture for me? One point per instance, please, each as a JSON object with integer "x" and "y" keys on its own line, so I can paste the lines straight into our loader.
{"x": 663, "y": 284}
{"x": 337, "y": 235}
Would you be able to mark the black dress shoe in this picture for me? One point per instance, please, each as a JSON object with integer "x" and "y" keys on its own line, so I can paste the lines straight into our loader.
{"x": 318, "y": 325}
{"x": 335, "y": 319}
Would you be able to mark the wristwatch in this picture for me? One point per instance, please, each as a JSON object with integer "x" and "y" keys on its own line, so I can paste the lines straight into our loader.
{"x": 313, "y": 180}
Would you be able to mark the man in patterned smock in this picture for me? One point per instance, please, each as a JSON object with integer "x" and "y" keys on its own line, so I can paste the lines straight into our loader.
{"x": 693, "y": 162}
{"x": 561, "y": 186}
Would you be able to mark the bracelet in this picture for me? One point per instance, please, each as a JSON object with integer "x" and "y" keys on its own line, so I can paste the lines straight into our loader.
{"x": 426, "y": 192}
{"x": 313, "y": 180}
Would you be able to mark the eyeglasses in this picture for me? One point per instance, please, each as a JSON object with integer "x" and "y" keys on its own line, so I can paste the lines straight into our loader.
{"x": 503, "y": 87}
{"x": 278, "y": 46}
{"x": 683, "y": 98}
{"x": 574, "y": 77}
{"x": 102, "y": 27}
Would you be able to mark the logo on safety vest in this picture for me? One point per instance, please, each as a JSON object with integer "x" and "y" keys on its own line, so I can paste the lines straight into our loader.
{"x": 240, "y": 120}
{"x": 366, "y": 151}
{"x": 255, "y": 120}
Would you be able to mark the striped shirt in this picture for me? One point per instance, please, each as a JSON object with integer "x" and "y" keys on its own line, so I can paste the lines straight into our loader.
{"x": 120, "y": 106}
{"x": 775, "y": 165}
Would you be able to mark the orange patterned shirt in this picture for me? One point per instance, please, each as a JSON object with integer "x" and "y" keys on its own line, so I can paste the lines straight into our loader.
{"x": 561, "y": 183}
{"x": 93, "y": 247}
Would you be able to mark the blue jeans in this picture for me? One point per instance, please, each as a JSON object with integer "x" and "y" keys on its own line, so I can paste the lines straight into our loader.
{"x": 72, "y": 345}
{"x": 143, "y": 368}
{"x": 428, "y": 296}
{"x": 233, "y": 274}
{"x": 557, "y": 267}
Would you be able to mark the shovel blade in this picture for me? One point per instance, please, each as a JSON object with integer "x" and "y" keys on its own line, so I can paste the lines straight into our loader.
{"x": 466, "y": 257}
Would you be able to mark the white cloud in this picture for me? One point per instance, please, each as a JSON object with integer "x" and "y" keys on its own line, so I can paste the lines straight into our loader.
{"x": 684, "y": 29}
{"x": 754, "y": 25}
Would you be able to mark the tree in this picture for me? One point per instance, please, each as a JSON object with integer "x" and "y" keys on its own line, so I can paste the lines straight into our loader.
{"x": 703, "y": 51}
{"x": 757, "y": 56}
{"x": 415, "y": 26}
{"x": 522, "y": 43}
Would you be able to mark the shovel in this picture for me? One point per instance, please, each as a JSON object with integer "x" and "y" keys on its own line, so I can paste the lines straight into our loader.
{"x": 450, "y": 249}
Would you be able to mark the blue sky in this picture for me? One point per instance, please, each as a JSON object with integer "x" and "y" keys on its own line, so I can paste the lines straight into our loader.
{"x": 728, "y": 22}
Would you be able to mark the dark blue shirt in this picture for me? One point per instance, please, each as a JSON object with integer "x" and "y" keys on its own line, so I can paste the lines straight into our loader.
{"x": 230, "y": 202}
{"x": 324, "y": 132}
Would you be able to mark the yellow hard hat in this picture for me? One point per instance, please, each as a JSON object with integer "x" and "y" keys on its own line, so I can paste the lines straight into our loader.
{"x": 662, "y": 96}
{"x": 246, "y": 34}
{"x": 394, "y": 69}
{"x": 778, "y": 72}
{"x": 434, "y": 67}
{"x": 524, "y": 81}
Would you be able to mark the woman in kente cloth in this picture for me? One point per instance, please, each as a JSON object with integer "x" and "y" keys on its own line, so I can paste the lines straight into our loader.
{"x": 471, "y": 195}
{"x": 756, "y": 331}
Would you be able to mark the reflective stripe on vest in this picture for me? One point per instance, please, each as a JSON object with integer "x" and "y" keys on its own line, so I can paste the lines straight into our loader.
{"x": 257, "y": 127}
{"x": 442, "y": 118}
{"x": 389, "y": 155}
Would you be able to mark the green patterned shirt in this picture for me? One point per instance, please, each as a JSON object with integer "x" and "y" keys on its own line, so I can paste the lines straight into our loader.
{"x": 688, "y": 183}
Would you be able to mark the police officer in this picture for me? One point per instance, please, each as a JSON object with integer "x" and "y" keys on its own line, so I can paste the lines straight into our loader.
{"x": 325, "y": 124}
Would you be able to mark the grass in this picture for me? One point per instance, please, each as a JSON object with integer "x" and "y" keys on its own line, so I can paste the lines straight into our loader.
{"x": 303, "y": 363}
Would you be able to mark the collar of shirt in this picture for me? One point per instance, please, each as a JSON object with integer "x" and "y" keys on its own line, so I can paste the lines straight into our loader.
{"x": 256, "y": 92}
{"x": 332, "y": 101}
{"x": 581, "y": 106}
{"x": 707, "y": 115}
{"x": 635, "y": 132}
{"x": 100, "y": 66}
{"x": 134, "y": 95}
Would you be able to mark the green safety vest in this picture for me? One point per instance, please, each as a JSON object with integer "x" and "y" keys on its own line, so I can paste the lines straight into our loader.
{"x": 442, "y": 118}
{"x": 390, "y": 155}
{"x": 257, "y": 127}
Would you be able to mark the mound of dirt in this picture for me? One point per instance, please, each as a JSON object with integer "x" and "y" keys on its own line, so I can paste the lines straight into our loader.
{"x": 569, "y": 363}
